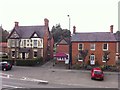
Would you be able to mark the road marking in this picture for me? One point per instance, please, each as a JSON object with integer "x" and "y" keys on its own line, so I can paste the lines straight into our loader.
{"x": 5, "y": 75}
{"x": 12, "y": 86}
{"x": 35, "y": 80}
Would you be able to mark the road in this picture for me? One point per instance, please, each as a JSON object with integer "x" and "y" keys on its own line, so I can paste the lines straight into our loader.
{"x": 52, "y": 77}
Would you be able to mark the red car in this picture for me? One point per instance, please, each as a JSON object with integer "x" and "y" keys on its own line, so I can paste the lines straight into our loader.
{"x": 97, "y": 73}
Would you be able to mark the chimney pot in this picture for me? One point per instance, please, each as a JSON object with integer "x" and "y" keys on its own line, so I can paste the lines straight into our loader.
{"x": 111, "y": 28}
{"x": 46, "y": 22}
{"x": 74, "y": 29}
{"x": 16, "y": 24}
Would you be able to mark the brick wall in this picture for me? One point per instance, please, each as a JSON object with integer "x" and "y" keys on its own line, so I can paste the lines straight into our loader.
{"x": 98, "y": 52}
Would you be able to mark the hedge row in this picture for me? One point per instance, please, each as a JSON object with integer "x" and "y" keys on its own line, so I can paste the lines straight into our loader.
{"x": 34, "y": 62}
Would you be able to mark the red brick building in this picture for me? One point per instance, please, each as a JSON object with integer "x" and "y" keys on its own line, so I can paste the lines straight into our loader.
{"x": 62, "y": 50}
{"x": 96, "y": 43}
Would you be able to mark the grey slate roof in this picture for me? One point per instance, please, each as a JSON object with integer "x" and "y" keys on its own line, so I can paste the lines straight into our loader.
{"x": 93, "y": 36}
{"x": 27, "y": 31}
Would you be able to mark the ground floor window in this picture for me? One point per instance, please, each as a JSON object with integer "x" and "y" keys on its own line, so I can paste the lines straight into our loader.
{"x": 35, "y": 54}
{"x": 13, "y": 54}
{"x": 80, "y": 57}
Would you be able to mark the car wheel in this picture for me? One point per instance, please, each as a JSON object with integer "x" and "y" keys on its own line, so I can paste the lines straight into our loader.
{"x": 102, "y": 79}
{"x": 91, "y": 78}
{"x": 4, "y": 69}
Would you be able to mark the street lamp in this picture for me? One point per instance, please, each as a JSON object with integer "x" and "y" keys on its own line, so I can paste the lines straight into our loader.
{"x": 69, "y": 44}
{"x": 69, "y": 21}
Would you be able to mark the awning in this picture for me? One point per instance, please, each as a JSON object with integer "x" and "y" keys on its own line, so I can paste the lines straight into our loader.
{"x": 60, "y": 54}
{"x": 24, "y": 50}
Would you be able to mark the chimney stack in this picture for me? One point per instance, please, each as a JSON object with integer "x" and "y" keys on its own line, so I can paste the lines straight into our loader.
{"x": 111, "y": 28}
{"x": 16, "y": 24}
{"x": 46, "y": 22}
{"x": 74, "y": 29}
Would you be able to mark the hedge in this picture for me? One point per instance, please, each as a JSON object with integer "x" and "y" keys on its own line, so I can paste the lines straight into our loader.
{"x": 27, "y": 62}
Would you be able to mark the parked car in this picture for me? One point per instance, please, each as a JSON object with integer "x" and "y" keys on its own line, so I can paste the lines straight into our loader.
{"x": 97, "y": 73}
{"x": 4, "y": 65}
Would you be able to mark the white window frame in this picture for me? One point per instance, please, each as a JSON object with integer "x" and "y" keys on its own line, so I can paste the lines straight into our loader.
{"x": 12, "y": 53}
{"x": 79, "y": 58}
{"x": 35, "y": 43}
{"x": 92, "y": 46}
{"x": 34, "y": 54}
{"x": 103, "y": 58}
{"x": 103, "y": 47}
{"x": 82, "y": 46}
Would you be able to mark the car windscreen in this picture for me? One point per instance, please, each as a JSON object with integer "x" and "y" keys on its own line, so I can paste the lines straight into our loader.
{"x": 97, "y": 72}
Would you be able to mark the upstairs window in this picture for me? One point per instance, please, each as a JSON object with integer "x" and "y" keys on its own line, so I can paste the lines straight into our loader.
{"x": 24, "y": 43}
{"x": 12, "y": 43}
{"x": 35, "y": 43}
{"x": 92, "y": 46}
{"x": 105, "y": 46}
{"x": 80, "y": 46}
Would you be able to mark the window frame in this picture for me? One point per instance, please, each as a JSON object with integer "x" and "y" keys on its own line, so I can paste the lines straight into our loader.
{"x": 92, "y": 45}
{"x": 79, "y": 56}
{"x": 79, "y": 46}
{"x": 36, "y": 54}
{"x": 35, "y": 43}
{"x": 104, "y": 46}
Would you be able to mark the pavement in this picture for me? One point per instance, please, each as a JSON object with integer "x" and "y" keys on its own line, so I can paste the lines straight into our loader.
{"x": 62, "y": 67}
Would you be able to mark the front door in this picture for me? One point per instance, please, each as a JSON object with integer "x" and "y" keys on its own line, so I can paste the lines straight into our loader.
{"x": 92, "y": 59}
{"x": 23, "y": 55}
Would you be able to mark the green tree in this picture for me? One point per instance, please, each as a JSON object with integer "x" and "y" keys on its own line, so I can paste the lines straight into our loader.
{"x": 83, "y": 54}
{"x": 57, "y": 32}
{"x": 3, "y": 35}
{"x": 106, "y": 57}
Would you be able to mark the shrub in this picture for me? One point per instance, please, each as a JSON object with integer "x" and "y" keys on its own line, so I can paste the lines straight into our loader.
{"x": 102, "y": 67}
{"x": 33, "y": 62}
{"x": 77, "y": 66}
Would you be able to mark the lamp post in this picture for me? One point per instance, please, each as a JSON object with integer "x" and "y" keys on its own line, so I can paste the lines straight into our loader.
{"x": 69, "y": 44}
{"x": 69, "y": 21}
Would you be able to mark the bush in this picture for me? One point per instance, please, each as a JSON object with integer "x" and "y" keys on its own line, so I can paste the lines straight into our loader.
{"x": 88, "y": 67}
{"x": 77, "y": 66}
{"x": 34, "y": 62}
{"x": 102, "y": 67}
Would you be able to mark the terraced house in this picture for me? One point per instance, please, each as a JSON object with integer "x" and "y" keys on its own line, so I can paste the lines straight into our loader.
{"x": 97, "y": 43}
{"x": 29, "y": 42}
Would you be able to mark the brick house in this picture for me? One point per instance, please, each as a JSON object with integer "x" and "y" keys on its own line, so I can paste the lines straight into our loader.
{"x": 62, "y": 50}
{"x": 29, "y": 42}
{"x": 117, "y": 35}
{"x": 96, "y": 43}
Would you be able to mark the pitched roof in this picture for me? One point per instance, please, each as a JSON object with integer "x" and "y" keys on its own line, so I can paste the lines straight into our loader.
{"x": 94, "y": 36}
{"x": 65, "y": 41}
{"x": 27, "y": 31}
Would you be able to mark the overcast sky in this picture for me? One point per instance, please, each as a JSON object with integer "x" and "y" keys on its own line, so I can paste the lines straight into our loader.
{"x": 86, "y": 15}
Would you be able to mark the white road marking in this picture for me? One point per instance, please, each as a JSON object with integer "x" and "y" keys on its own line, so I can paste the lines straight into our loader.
{"x": 35, "y": 80}
{"x": 12, "y": 86}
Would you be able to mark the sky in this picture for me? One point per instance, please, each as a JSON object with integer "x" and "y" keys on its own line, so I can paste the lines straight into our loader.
{"x": 86, "y": 15}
